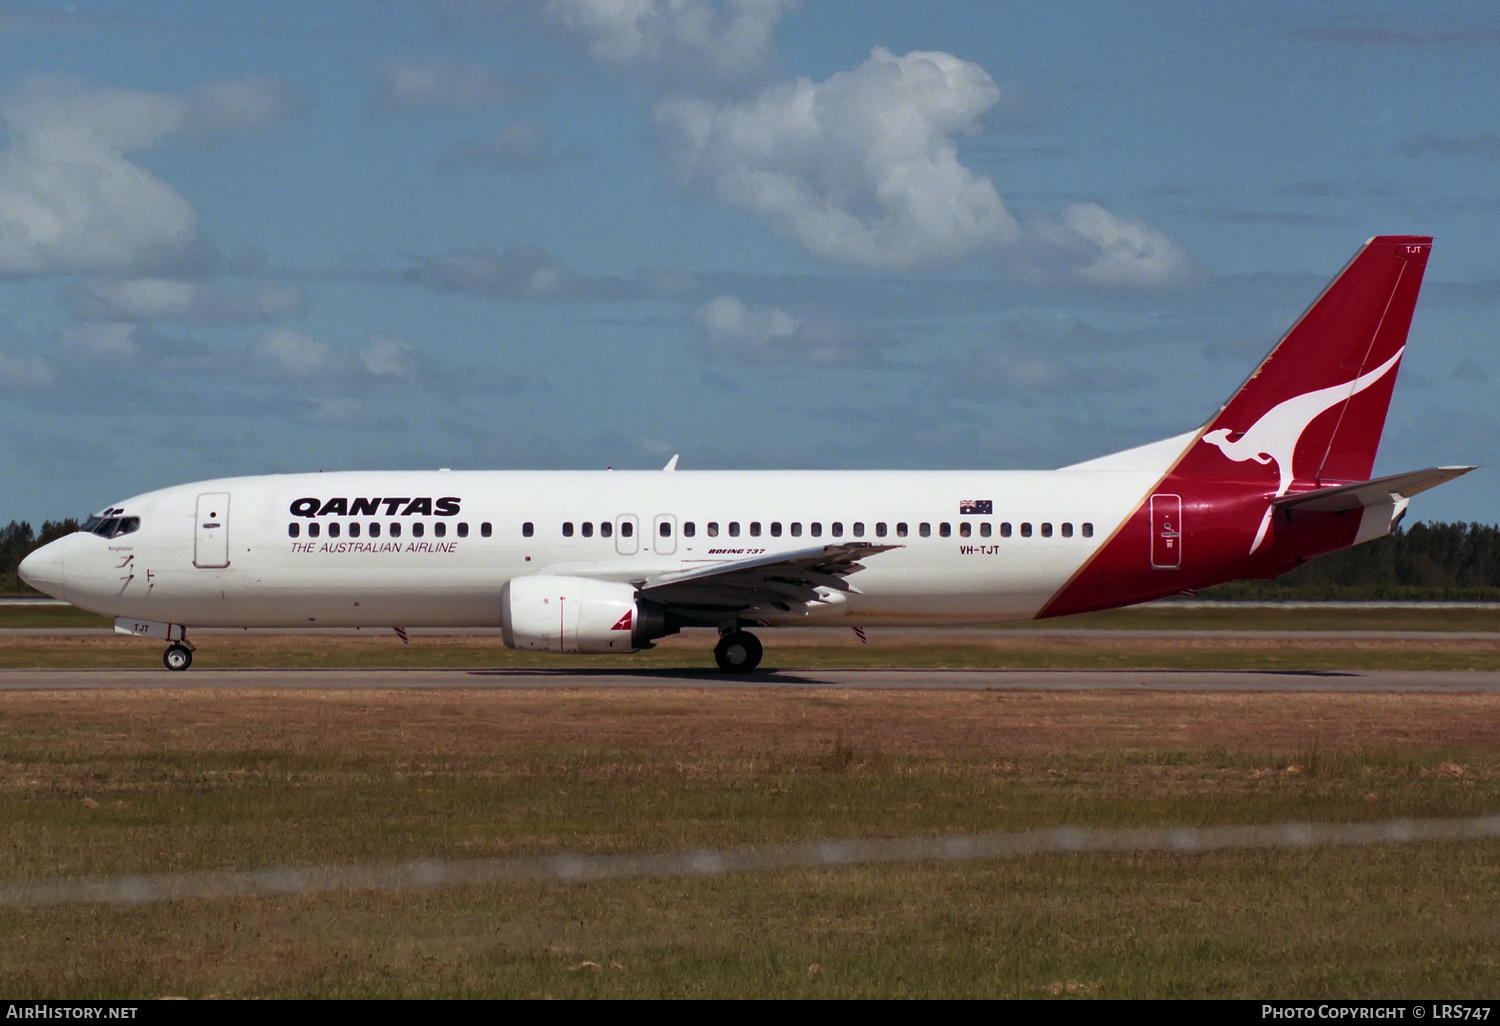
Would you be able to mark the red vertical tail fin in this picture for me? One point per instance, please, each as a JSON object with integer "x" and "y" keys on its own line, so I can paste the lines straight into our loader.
{"x": 1298, "y": 436}
{"x": 1313, "y": 411}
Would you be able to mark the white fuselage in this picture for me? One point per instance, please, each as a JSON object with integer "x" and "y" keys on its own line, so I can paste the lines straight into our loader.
{"x": 407, "y": 565}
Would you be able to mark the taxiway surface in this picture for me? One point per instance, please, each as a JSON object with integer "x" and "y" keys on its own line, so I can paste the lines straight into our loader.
{"x": 980, "y": 680}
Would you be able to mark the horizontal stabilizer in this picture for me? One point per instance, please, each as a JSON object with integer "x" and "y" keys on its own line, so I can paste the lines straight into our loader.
{"x": 1369, "y": 493}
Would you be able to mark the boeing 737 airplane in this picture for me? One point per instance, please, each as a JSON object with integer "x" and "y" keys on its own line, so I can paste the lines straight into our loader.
{"x": 569, "y": 561}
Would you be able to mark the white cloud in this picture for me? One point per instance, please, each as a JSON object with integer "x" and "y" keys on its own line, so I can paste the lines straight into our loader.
{"x": 71, "y": 202}
{"x": 521, "y": 272}
{"x": 520, "y": 146}
{"x": 187, "y": 302}
{"x": 730, "y": 41}
{"x": 983, "y": 372}
{"x": 743, "y": 334}
{"x": 387, "y": 357}
{"x": 21, "y": 373}
{"x": 248, "y": 104}
{"x": 292, "y": 353}
{"x": 861, "y": 169}
{"x": 1105, "y": 249}
{"x": 436, "y": 85}
{"x": 524, "y": 272}
{"x": 99, "y": 338}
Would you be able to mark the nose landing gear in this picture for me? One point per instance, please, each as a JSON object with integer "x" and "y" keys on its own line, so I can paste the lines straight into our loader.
{"x": 737, "y": 652}
{"x": 178, "y": 657}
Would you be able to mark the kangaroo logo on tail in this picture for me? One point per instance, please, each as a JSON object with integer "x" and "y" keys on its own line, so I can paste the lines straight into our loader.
{"x": 1276, "y": 435}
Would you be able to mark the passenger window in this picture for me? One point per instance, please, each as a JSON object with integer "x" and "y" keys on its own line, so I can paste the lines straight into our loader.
{"x": 776, "y": 529}
{"x": 688, "y": 530}
{"x": 333, "y": 530}
{"x": 1046, "y": 530}
{"x": 374, "y": 530}
{"x": 945, "y": 529}
{"x": 417, "y": 529}
{"x": 1025, "y": 530}
{"x": 485, "y": 530}
{"x": 880, "y": 529}
{"x": 312, "y": 529}
{"x": 713, "y": 528}
{"x": 1088, "y": 530}
{"x": 1005, "y": 529}
{"x": 900, "y": 530}
{"x": 463, "y": 530}
{"x": 606, "y": 529}
{"x": 665, "y": 529}
{"x": 815, "y": 529}
{"x": 627, "y": 529}
{"x": 440, "y": 529}
{"x": 1067, "y": 530}
{"x": 925, "y": 530}
{"x": 796, "y": 530}
{"x": 587, "y": 529}
{"x": 567, "y": 529}
{"x": 858, "y": 530}
{"x": 734, "y": 529}
{"x": 837, "y": 530}
{"x": 527, "y": 530}
{"x": 293, "y": 530}
{"x": 395, "y": 529}
{"x": 755, "y": 528}
{"x": 965, "y": 529}
{"x": 354, "y": 529}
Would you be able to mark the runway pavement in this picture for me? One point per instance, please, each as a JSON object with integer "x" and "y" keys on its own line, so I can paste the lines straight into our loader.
{"x": 1467, "y": 681}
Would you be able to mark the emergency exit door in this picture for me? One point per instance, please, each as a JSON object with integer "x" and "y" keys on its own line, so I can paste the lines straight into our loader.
{"x": 211, "y": 531}
{"x": 1166, "y": 531}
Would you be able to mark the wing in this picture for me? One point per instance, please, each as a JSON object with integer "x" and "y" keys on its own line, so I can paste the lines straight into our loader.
{"x": 781, "y": 580}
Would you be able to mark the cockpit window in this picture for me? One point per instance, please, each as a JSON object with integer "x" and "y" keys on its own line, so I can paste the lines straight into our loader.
{"x": 111, "y": 527}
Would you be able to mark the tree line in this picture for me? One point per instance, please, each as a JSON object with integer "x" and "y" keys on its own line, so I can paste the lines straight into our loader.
{"x": 1425, "y": 561}
{"x": 17, "y": 542}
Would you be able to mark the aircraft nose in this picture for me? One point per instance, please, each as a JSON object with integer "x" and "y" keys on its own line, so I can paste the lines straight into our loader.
{"x": 43, "y": 569}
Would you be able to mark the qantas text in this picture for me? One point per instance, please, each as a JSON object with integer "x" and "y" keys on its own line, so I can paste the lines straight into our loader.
{"x": 404, "y": 506}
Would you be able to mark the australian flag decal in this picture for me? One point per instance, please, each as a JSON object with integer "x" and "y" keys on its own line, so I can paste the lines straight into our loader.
{"x": 975, "y": 507}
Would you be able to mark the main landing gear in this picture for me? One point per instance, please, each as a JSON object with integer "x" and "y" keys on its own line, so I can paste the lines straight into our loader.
{"x": 737, "y": 652}
{"x": 178, "y": 657}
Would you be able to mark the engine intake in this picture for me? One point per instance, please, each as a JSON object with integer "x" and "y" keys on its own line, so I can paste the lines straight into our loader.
{"x": 576, "y": 614}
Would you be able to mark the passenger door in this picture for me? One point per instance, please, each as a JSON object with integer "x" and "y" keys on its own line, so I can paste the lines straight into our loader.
{"x": 211, "y": 531}
{"x": 627, "y": 530}
{"x": 664, "y": 534}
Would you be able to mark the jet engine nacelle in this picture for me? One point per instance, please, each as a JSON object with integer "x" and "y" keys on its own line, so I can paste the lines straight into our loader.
{"x": 576, "y": 614}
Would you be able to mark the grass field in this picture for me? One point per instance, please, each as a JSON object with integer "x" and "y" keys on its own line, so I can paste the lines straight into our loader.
{"x": 152, "y": 781}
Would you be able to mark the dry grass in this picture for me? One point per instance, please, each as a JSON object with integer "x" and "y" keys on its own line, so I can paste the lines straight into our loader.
{"x": 181, "y": 779}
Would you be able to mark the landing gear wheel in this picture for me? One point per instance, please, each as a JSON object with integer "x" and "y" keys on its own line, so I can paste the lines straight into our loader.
{"x": 178, "y": 658}
{"x": 738, "y": 652}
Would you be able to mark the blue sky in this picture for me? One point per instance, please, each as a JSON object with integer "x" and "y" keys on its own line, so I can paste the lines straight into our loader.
{"x": 242, "y": 239}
